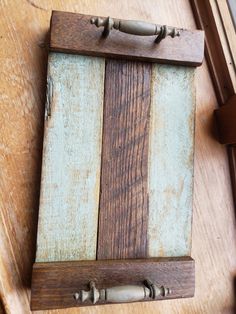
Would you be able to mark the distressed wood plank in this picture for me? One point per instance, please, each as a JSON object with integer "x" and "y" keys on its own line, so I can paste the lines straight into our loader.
{"x": 66, "y": 36}
{"x": 124, "y": 199}
{"x": 176, "y": 274}
{"x": 68, "y": 214}
{"x": 171, "y": 161}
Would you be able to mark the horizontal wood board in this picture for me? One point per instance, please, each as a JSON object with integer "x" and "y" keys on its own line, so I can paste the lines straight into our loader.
{"x": 74, "y": 33}
{"x": 68, "y": 214}
{"x": 54, "y": 284}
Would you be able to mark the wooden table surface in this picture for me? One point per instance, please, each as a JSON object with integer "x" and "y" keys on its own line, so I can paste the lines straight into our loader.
{"x": 23, "y": 62}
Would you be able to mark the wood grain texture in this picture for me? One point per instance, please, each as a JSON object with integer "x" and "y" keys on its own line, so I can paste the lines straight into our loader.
{"x": 123, "y": 211}
{"x": 124, "y": 221}
{"x": 171, "y": 161}
{"x": 23, "y": 61}
{"x": 220, "y": 54}
{"x": 66, "y": 36}
{"x": 54, "y": 284}
{"x": 68, "y": 214}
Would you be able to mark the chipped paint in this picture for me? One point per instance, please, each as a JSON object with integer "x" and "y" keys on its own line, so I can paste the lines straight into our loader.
{"x": 171, "y": 161}
{"x": 49, "y": 97}
{"x": 70, "y": 183}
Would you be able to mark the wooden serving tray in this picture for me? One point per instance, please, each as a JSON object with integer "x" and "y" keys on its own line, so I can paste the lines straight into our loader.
{"x": 117, "y": 173}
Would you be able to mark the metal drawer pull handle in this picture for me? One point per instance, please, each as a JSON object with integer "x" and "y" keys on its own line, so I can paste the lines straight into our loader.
{"x": 135, "y": 28}
{"x": 128, "y": 293}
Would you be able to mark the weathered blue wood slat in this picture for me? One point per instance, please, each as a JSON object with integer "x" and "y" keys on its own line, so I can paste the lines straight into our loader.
{"x": 68, "y": 214}
{"x": 171, "y": 161}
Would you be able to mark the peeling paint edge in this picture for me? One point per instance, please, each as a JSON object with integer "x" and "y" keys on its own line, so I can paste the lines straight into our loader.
{"x": 49, "y": 97}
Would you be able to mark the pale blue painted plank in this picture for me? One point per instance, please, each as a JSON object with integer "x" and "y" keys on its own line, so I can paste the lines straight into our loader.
{"x": 171, "y": 161}
{"x": 68, "y": 215}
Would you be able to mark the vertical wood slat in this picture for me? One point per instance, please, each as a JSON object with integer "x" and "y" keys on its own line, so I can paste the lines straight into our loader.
{"x": 124, "y": 198}
{"x": 171, "y": 148}
{"x": 68, "y": 214}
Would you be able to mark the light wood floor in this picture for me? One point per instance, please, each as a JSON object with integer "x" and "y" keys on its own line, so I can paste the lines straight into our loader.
{"x": 23, "y": 59}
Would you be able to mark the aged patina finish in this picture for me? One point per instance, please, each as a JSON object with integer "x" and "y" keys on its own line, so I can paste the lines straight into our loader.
{"x": 135, "y": 28}
{"x": 126, "y": 293}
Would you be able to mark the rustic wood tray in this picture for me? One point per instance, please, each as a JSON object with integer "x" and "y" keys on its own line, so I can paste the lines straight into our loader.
{"x": 117, "y": 174}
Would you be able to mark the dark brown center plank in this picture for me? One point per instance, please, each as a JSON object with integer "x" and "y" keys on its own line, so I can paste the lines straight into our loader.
{"x": 124, "y": 197}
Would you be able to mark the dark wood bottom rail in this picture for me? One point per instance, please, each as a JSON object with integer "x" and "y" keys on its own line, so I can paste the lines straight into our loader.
{"x": 55, "y": 284}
